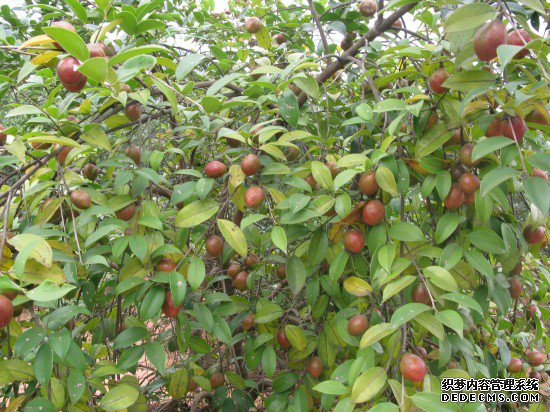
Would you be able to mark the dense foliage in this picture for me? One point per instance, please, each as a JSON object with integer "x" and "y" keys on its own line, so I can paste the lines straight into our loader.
{"x": 319, "y": 205}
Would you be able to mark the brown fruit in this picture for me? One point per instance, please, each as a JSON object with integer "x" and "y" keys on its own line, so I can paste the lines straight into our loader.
{"x": 3, "y": 136}
{"x": 368, "y": 8}
{"x": 420, "y": 294}
{"x": 468, "y": 183}
{"x": 457, "y": 170}
{"x": 535, "y": 375}
{"x": 216, "y": 380}
{"x": 312, "y": 182}
{"x": 96, "y": 50}
{"x": 11, "y": 295}
{"x": 40, "y": 145}
{"x": 232, "y": 142}
{"x": 62, "y": 155}
{"x": 214, "y": 245}
{"x": 515, "y": 288}
{"x": 433, "y": 119}
{"x": 134, "y": 153}
{"x": 333, "y": 169}
{"x": 487, "y": 39}
{"x": 367, "y": 184}
{"x": 517, "y": 270}
{"x": 248, "y": 323}
{"x": 192, "y": 386}
{"x": 519, "y": 38}
{"x": 133, "y": 112}
{"x": 251, "y": 165}
{"x": 281, "y": 272}
{"x": 125, "y": 88}
{"x": 240, "y": 280}
{"x": 534, "y": 236}
{"x": 108, "y": 50}
{"x": 254, "y": 197}
{"x": 421, "y": 352}
{"x": 357, "y": 325}
{"x": 71, "y": 79}
{"x": 215, "y": 169}
{"x": 346, "y": 44}
{"x": 436, "y": 80}
{"x": 166, "y": 265}
{"x": 537, "y": 117}
{"x": 168, "y": 307}
{"x": 126, "y": 213}
{"x": 292, "y": 153}
{"x": 465, "y": 155}
{"x": 515, "y": 365}
{"x": 455, "y": 139}
{"x": 253, "y": 25}
{"x": 354, "y": 240}
{"x": 469, "y": 198}
{"x": 413, "y": 367}
{"x": 282, "y": 339}
{"x": 233, "y": 270}
{"x": 453, "y": 365}
{"x": 398, "y": 24}
{"x": 540, "y": 173}
{"x": 535, "y": 358}
{"x": 280, "y": 38}
{"x": 455, "y": 198}
{"x": 513, "y": 128}
{"x": 6, "y": 311}
{"x": 252, "y": 260}
{"x": 315, "y": 367}
{"x": 373, "y": 212}
{"x": 90, "y": 171}
{"x": 81, "y": 199}
{"x": 494, "y": 128}
{"x": 530, "y": 311}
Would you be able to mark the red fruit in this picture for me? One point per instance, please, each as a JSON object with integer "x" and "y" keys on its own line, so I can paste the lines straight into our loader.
{"x": 81, "y": 199}
{"x": 537, "y": 117}
{"x": 315, "y": 367}
{"x": 368, "y": 8}
{"x": 465, "y": 155}
{"x": 515, "y": 288}
{"x": 133, "y": 112}
{"x": 282, "y": 339}
{"x": 494, "y": 128}
{"x": 192, "y": 386}
{"x": 62, "y": 155}
{"x": 166, "y": 265}
{"x": 281, "y": 272}
{"x": 432, "y": 119}
{"x": 215, "y": 169}
{"x": 248, "y": 323}
{"x": 333, "y": 169}
{"x": 413, "y": 367}
{"x": 517, "y": 270}
{"x": 455, "y": 139}
{"x": 420, "y": 294}
{"x": 354, "y": 240}
{"x": 455, "y": 198}
{"x": 535, "y": 358}
{"x": 535, "y": 375}
{"x": 540, "y": 173}
{"x": 126, "y": 213}
{"x": 134, "y": 153}
{"x": 252, "y": 260}
{"x": 436, "y": 80}
{"x": 519, "y": 38}
{"x": 90, "y": 171}
{"x": 214, "y": 245}
{"x": 534, "y": 236}
{"x": 71, "y": 79}
{"x": 530, "y": 311}
{"x": 168, "y": 307}
{"x": 6, "y": 311}
{"x": 373, "y": 212}
{"x": 233, "y": 270}
{"x": 513, "y": 128}
{"x": 469, "y": 198}
{"x": 487, "y": 38}
{"x": 368, "y": 185}
{"x": 3, "y": 136}
{"x": 11, "y": 295}
{"x": 240, "y": 280}
{"x": 216, "y": 380}
{"x": 253, "y": 25}
{"x": 280, "y": 38}
{"x": 398, "y": 24}
{"x": 254, "y": 197}
{"x": 357, "y": 325}
{"x": 251, "y": 165}
{"x": 468, "y": 183}
{"x": 515, "y": 365}
{"x": 312, "y": 182}
{"x": 96, "y": 50}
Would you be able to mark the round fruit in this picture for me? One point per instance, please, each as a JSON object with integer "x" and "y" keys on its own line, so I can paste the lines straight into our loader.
{"x": 487, "y": 39}
{"x": 233, "y": 270}
{"x": 126, "y": 213}
{"x": 240, "y": 280}
{"x": 455, "y": 198}
{"x": 413, "y": 367}
{"x": 534, "y": 236}
{"x": 216, "y": 380}
{"x": 433, "y": 119}
{"x": 251, "y": 165}
{"x": 312, "y": 182}
{"x": 494, "y": 128}
{"x": 134, "y": 153}
{"x": 214, "y": 245}
{"x": 280, "y": 38}
{"x": 346, "y": 44}
{"x": 11, "y": 295}
{"x": 62, "y": 155}
{"x": 71, "y": 79}
{"x": 531, "y": 311}
{"x": 357, "y": 325}
{"x": 252, "y": 260}
{"x": 537, "y": 117}
{"x": 515, "y": 288}
{"x": 453, "y": 365}
{"x": 517, "y": 270}
{"x": 515, "y": 365}
{"x": 90, "y": 171}
{"x": 535, "y": 375}
{"x": 6, "y": 311}
{"x": 535, "y": 358}
{"x": 368, "y": 8}
{"x": 455, "y": 139}
{"x": 421, "y": 352}
{"x": 253, "y": 25}
{"x": 3, "y": 136}
{"x": 133, "y": 112}
{"x": 540, "y": 173}
{"x": 166, "y": 265}
{"x": 468, "y": 183}
{"x": 354, "y": 240}
{"x": 457, "y": 170}
{"x": 513, "y": 128}
{"x": 282, "y": 339}
{"x": 124, "y": 88}
{"x": 254, "y": 197}
{"x": 281, "y": 272}
{"x": 373, "y": 212}
{"x": 398, "y": 24}
{"x": 168, "y": 307}
{"x": 81, "y": 199}
{"x": 367, "y": 184}
{"x": 436, "y": 80}
{"x": 96, "y": 50}
{"x": 519, "y": 38}
{"x": 465, "y": 155}
{"x": 315, "y": 367}
{"x": 469, "y": 198}
{"x": 420, "y": 294}
{"x": 248, "y": 322}
{"x": 215, "y": 169}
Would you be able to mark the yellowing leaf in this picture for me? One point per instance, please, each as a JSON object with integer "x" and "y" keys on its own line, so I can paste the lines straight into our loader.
{"x": 386, "y": 180}
{"x": 44, "y": 57}
{"x": 234, "y": 236}
{"x": 42, "y": 251}
{"x": 357, "y": 286}
{"x": 36, "y": 40}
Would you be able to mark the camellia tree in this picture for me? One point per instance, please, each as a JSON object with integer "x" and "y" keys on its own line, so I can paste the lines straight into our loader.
{"x": 319, "y": 205}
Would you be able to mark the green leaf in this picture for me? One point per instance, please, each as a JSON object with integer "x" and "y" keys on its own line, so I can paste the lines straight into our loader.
{"x": 187, "y": 64}
{"x": 119, "y": 397}
{"x": 390, "y": 105}
{"x": 268, "y": 312}
{"x": 269, "y": 361}
{"x": 78, "y": 9}
{"x": 221, "y": 83}
{"x": 506, "y": 53}
{"x": 296, "y": 337}
{"x": 344, "y": 177}
{"x": 451, "y": 319}
{"x": 393, "y": 288}
{"x": 431, "y": 401}
{"x": 318, "y": 247}
{"x": 295, "y": 274}
{"x": 48, "y": 291}
{"x": 331, "y": 388}
{"x": 70, "y": 41}
{"x": 156, "y": 355}
{"x": 28, "y": 341}
{"x": 178, "y": 287}
{"x": 196, "y": 273}
{"x": 463, "y": 300}
{"x": 179, "y": 381}
{"x": 446, "y": 226}
{"x": 322, "y": 175}
{"x": 284, "y": 381}
{"x": 130, "y": 336}
{"x": 134, "y": 66}
{"x": 538, "y": 192}
{"x": 95, "y": 136}
{"x": 76, "y": 385}
{"x": 152, "y": 302}
{"x": 168, "y": 92}
{"x": 196, "y": 213}
{"x": 127, "y": 54}
{"x": 479, "y": 263}
{"x": 441, "y": 278}
{"x": 487, "y": 240}
{"x": 433, "y": 139}
{"x": 308, "y": 85}
{"x": 375, "y": 333}
{"x": 288, "y": 107}
{"x": 264, "y": 39}
{"x": 430, "y": 323}
{"x": 495, "y": 177}
{"x": 386, "y": 180}
{"x": 469, "y": 80}
{"x": 95, "y": 68}
{"x": 23, "y": 111}
{"x": 535, "y": 5}
{"x": 406, "y": 313}
{"x": 406, "y": 232}
{"x": 43, "y": 364}
{"x": 469, "y": 17}
{"x": 368, "y": 385}
{"x": 234, "y": 236}
{"x": 278, "y": 238}
{"x": 138, "y": 246}
{"x": 489, "y": 145}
